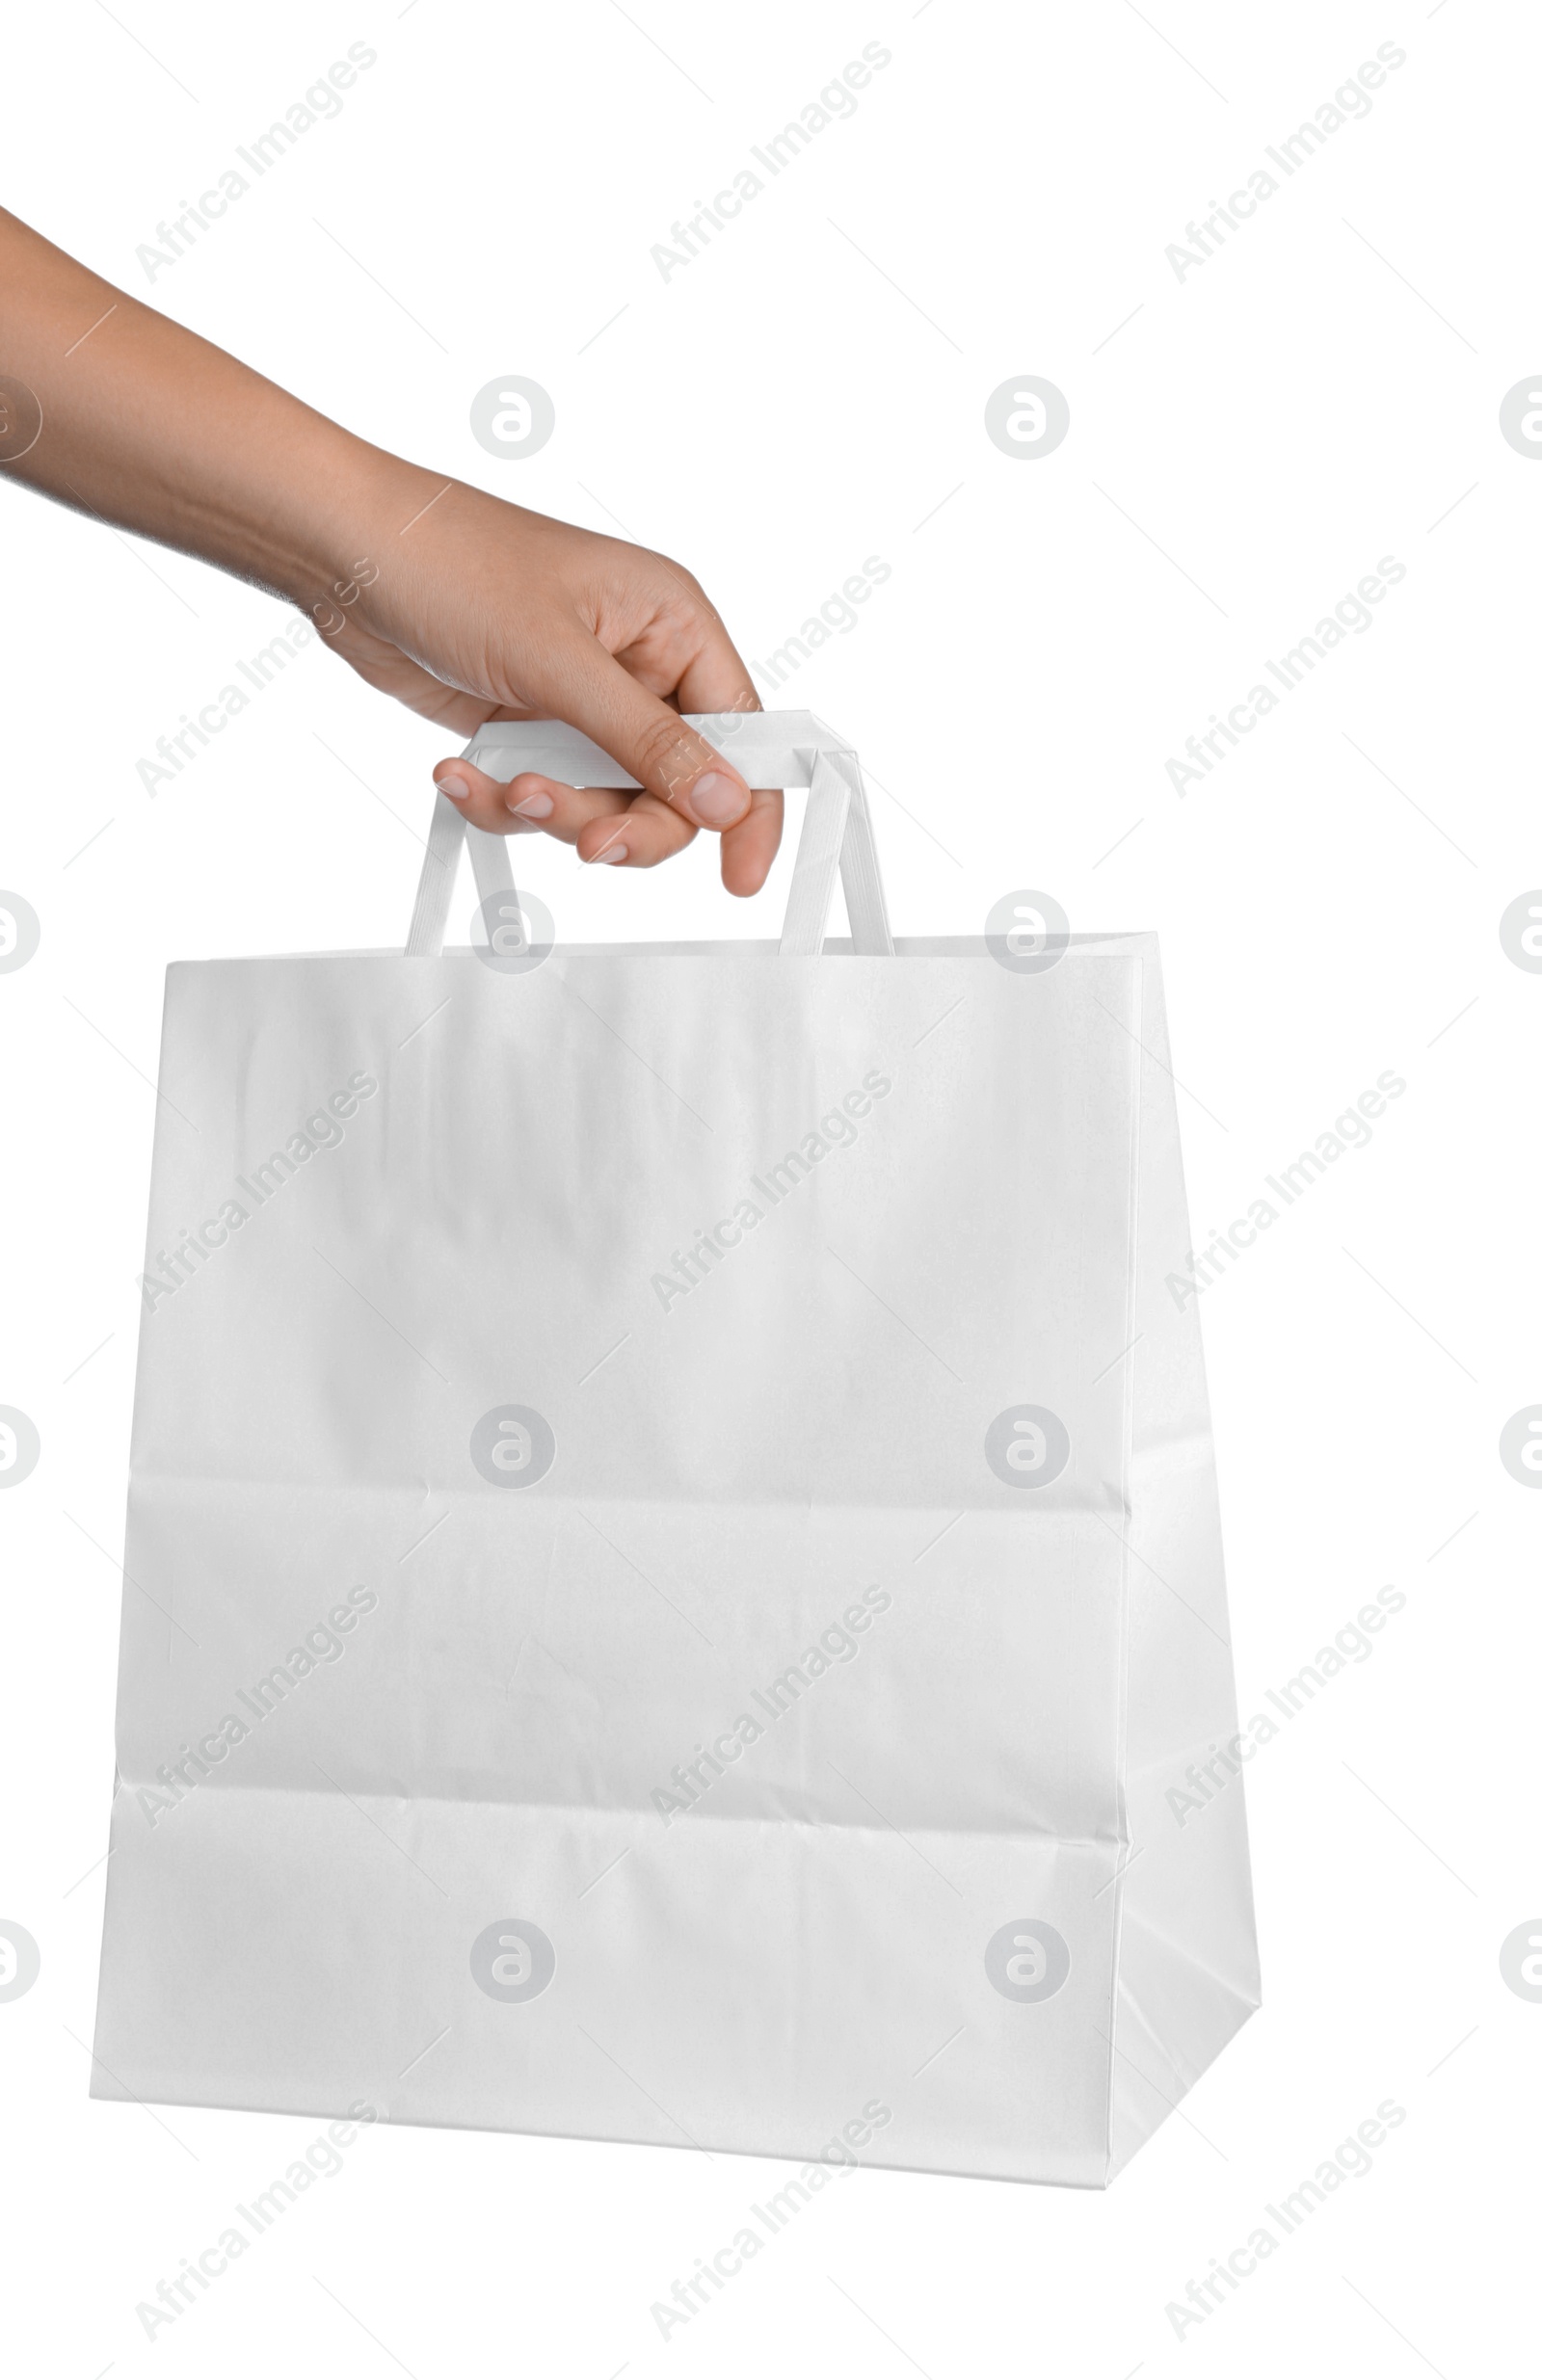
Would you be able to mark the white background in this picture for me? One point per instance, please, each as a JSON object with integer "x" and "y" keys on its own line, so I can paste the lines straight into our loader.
{"x": 1246, "y": 445}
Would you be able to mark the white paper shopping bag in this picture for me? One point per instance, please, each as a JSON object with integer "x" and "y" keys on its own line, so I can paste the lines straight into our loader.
{"x": 673, "y": 1562}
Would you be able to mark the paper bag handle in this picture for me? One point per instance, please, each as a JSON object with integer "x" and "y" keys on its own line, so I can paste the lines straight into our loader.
{"x": 768, "y": 748}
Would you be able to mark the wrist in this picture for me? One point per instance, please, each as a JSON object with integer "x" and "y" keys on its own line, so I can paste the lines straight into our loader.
{"x": 350, "y": 506}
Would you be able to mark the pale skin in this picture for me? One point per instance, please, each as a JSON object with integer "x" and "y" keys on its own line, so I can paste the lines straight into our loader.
{"x": 460, "y": 606}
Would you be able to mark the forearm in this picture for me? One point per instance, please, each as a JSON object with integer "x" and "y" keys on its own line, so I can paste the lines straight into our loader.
{"x": 452, "y": 601}
{"x": 152, "y": 427}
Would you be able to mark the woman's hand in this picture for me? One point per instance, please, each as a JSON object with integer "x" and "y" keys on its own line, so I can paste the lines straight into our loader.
{"x": 460, "y": 606}
{"x": 484, "y": 610}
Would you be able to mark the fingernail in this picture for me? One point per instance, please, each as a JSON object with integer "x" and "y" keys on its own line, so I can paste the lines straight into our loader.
{"x": 608, "y": 858}
{"x": 717, "y": 800}
{"x": 454, "y": 786}
{"x": 534, "y": 806}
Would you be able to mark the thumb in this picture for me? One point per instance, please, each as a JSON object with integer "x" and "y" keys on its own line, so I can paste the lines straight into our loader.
{"x": 668, "y": 758}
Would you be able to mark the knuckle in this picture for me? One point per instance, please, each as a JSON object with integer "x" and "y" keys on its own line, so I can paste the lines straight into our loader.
{"x": 685, "y": 581}
{"x": 669, "y": 755}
